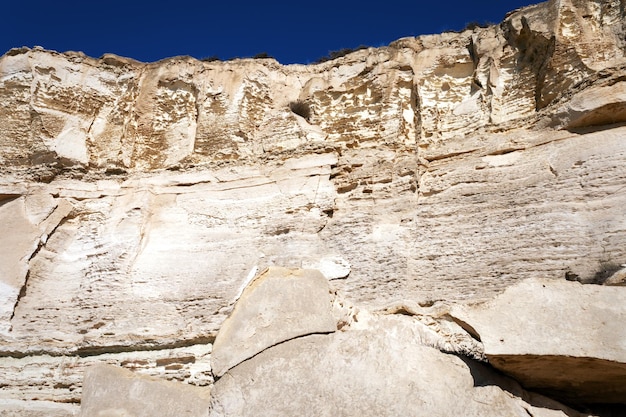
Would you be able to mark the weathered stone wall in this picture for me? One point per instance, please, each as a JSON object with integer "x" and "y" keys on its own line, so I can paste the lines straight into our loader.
{"x": 136, "y": 198}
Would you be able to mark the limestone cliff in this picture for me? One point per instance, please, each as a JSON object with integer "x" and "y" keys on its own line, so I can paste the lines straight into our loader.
{"x": 138, "y": 200}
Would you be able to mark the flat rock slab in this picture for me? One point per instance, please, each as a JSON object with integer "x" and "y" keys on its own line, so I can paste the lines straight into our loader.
{"x": 558, "y": 337}
{"x": 110, "y": 391}
{"x": 278, "y": 305}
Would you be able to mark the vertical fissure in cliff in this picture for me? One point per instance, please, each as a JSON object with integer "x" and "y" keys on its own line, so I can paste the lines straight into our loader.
{"x": 40, "y": 245}
{"x": 421, "y": 166}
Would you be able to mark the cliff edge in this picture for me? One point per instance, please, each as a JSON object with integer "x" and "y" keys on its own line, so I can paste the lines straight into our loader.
{"x": 139, "y": 200}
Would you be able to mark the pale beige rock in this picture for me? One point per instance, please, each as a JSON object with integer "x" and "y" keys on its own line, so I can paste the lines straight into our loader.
{"x": 58, "y": 379}
{"x": 602, "y": 105}
{"x": 134, "y": 236}
{"x": 378, "y": 367}
{"x": 414, "y": 92}
{"x": 332, "y": 267}
{"x": 28, "y": 222}
{"x": 379, "y": 371}
{"x": 18, "y": 408}
{"x": 618, "y": 278}
{"x": 110, "y": 391}
{"x": 278, "y": 305}
{"x": 19, "y": 241}
{"x": 437, "y": 168}
{"x": 582, "y": 354}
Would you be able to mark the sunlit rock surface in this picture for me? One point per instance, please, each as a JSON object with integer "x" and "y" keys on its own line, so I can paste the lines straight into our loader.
{"x": 138, "y": 200}
{"x": 112, "y": 391}
{"x": 285, "y": 304}
{"x": 582, "y": 356}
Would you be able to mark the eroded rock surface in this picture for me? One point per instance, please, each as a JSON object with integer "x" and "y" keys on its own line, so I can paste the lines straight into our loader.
{"x": 137, "y": 198}
{"x": 114, "y": 392}
{"x": 582, "y": 354}
{"x": 278, "y": 305}
{"x": 378, "y": 371}
{"x": 274, "y": 359}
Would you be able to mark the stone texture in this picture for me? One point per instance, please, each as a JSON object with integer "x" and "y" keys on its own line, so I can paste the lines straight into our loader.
{"x": 114, "y": 392}
{"x": 582, "y": 354}
{"x": 45, "y": 379}
{"x": 379, "y": 365}
{"x": 379, "y": 371}
{"x": 20, "y": 408}
{"x": 278, "y": 305}
{"x": 137, "y": 198}
{"x": 136, "y": 244}
{"x": 596, "y": 106}
{"x": 29, "y": 221}
{"x": 618, "y": 278}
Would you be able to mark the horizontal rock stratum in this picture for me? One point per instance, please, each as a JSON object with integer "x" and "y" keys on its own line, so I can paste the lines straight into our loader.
{"x": 582, "y": 354}
{"x": 139, "y": 201}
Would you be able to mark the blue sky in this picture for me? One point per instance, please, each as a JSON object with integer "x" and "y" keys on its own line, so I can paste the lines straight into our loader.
{"x": 296, "y": 31}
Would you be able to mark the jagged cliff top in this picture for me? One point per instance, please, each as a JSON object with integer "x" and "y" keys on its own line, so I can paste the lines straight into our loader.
{"x": 493, "y": 78}
{"x": 139, "y": 200}
{"x": 304, "y": 31}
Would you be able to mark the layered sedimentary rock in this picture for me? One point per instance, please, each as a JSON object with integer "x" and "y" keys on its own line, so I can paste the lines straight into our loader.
{"x": 277, "y": 306}
{"x": 139, "y": 199}
{"x": 382, "y": 364}
{"x": 112, "y": 391}
{"x": 582, "y": 356}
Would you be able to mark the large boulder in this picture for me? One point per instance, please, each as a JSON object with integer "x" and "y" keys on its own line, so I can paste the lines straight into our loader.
{"x": 557, "y": 337}
{"x": 379, "y": 370}
{"x": 278, "y": 305}
{"x": 279, "y": 354}
{"x": 603, "y": 105}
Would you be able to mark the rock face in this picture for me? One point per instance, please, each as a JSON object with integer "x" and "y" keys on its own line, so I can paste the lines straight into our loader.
{"x": 285, "y": 304}
{"x": 582, "y": 356}
{"x": 381, "y": 367}
{"x": 114, "y": 392}
{"x": 374, "y": 372}
{"x": 137, "y": 198}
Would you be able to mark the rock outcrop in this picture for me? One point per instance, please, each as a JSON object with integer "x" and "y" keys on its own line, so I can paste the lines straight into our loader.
{"x": 382, "y": 364}
{"x": 139, "y": 199}
{"x": 582, "y": 354}
{"x": 277, "y": 306}
{"x": 114, "y": 392}
{"x": 374, "y": 372}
